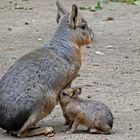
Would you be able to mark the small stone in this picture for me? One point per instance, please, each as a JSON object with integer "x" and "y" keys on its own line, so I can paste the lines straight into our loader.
{"x": 88, "y": 47}
{"x": 10, "y": 48}
{"x": 109, "y": 47}
{"x": 9, "y": 28}
{"x": 137, "y": 109}
{"x": 39, "y": 39}
{"x": 88, "y": 85}
{"x": 108, "y": 85}
{"x": 26, "y": 23}
{"x": 33, "y": 20}
{"x": 130, "y": 128}
{"x": 88, "y": 96}
{"x": 109, "y": 18}
{"x": 99, "y": 53}
{"x": 96, "y": 64}
{"x": 18, "y": 7}
{"x": 126, "y": 57}
{"x": 30, "y": 8}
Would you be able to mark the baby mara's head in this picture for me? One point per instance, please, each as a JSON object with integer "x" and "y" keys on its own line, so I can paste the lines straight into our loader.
{"x": 69, "y": 94}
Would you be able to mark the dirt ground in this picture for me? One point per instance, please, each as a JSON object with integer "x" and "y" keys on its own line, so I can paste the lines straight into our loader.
{"x": 112, "y": 77}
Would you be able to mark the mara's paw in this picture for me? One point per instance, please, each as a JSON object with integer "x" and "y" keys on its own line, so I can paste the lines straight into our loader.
{"x": 49, "y": 132}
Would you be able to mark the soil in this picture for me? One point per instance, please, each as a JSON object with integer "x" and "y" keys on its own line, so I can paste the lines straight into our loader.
{"x": 110, "y": 69}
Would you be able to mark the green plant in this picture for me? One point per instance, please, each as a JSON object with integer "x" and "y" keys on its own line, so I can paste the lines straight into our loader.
{"x": 93, "y": 7}
{"x": 135, "y": 2}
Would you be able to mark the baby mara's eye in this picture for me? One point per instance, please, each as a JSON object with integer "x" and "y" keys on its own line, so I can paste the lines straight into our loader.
{"x": 64, "y": 94}
{"x": 83, "y": 26}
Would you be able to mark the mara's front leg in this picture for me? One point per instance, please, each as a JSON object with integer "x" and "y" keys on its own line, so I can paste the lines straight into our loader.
{"x": 67, "y": 121}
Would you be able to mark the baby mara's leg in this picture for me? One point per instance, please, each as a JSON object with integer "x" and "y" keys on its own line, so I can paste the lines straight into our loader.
{"x": 102, "y": 127}
{"x": 78, "y": 119}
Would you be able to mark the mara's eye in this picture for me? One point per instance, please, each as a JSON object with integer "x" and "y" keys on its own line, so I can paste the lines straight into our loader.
{"x": 83, "y": 26}
{"x": 64, "y": 94}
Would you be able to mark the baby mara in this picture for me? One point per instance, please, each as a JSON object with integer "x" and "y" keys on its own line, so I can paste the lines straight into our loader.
{"x": 91, "y": 113}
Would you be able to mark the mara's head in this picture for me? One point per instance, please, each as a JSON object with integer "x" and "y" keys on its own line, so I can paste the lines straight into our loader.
{"x": 69, "y": 93}
{"x": 73, "y": 25}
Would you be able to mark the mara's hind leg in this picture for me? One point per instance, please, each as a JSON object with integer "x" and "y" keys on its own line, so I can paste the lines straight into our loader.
{"x": 27, "y": 130}
{"x": 102, "y": 127}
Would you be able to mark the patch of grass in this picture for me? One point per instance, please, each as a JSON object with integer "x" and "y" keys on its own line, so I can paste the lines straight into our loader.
{"x": 93, "y": 7}
{"x": 135, "y": 2}
{"x": 126, "y": 1}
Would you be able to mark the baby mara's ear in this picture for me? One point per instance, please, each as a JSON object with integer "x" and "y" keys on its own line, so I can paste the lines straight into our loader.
{"x": 76, "y": 91}
{"x": 61, "y": 11}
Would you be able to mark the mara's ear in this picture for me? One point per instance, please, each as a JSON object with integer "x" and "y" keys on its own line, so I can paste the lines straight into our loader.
{"x": 73, "y": 16}
{"x": 76, "y": 91}
{"x": 61, "y": 11}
